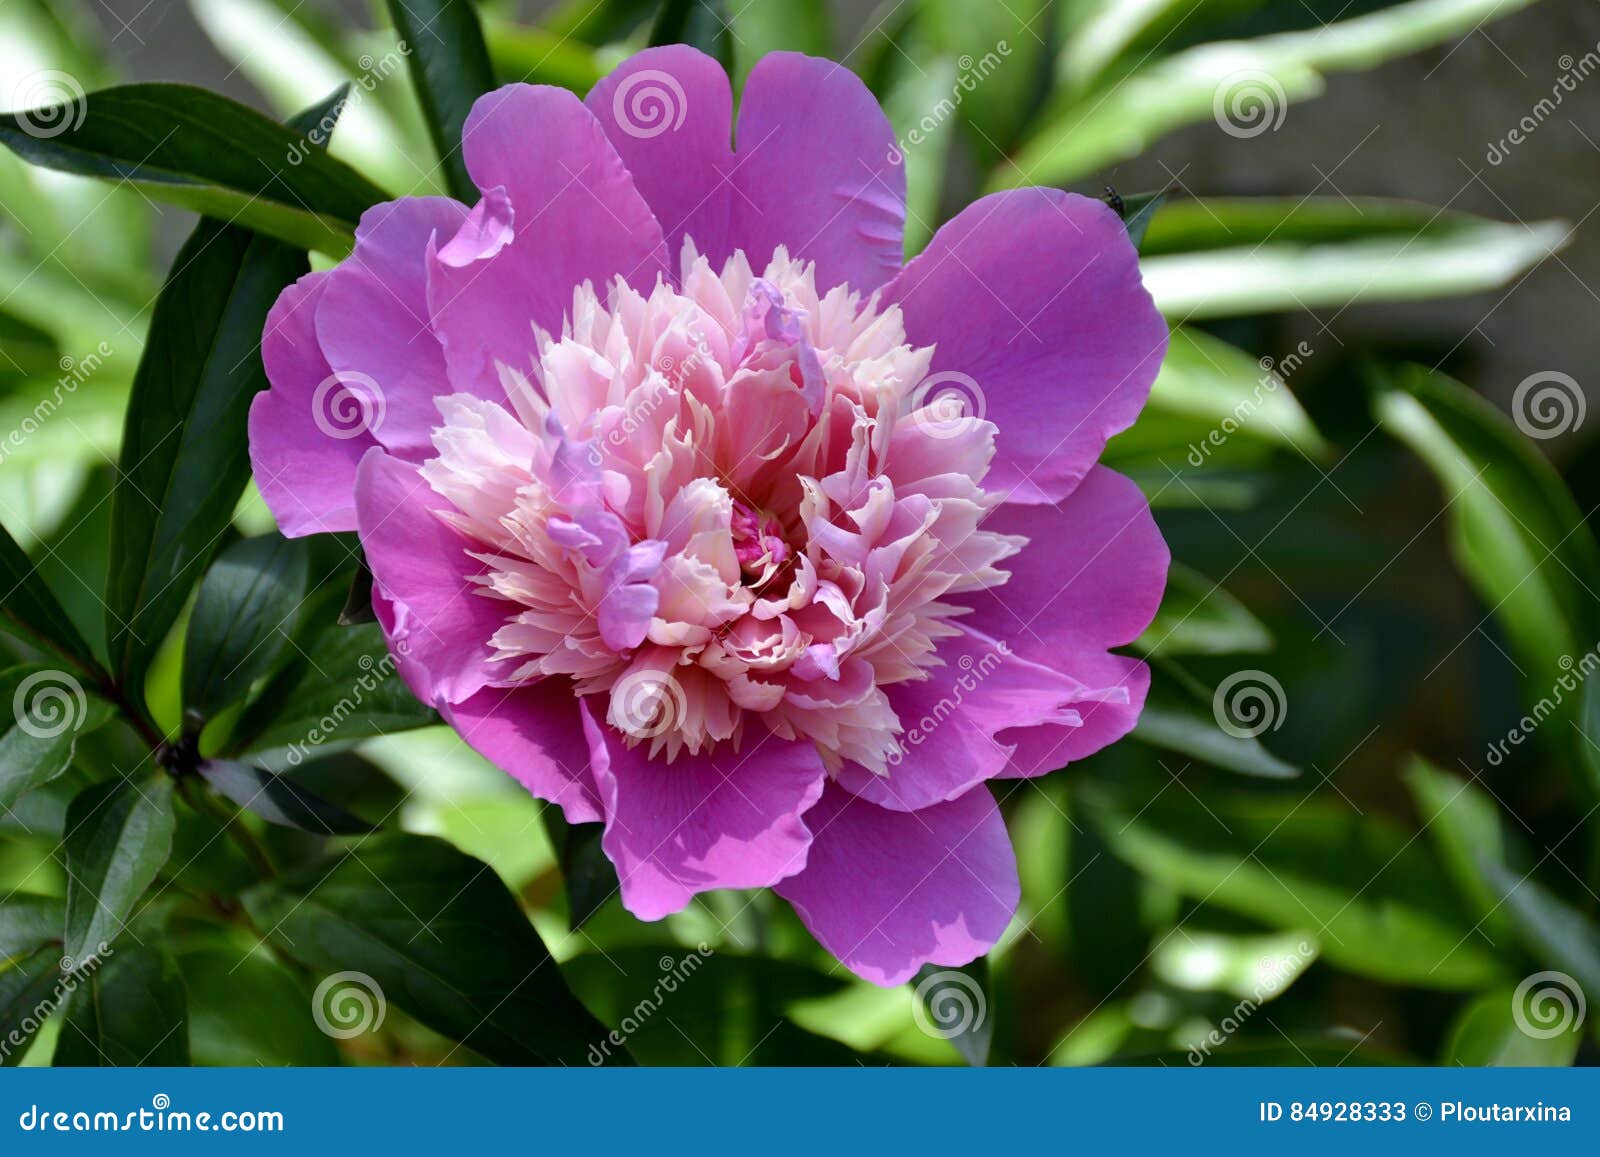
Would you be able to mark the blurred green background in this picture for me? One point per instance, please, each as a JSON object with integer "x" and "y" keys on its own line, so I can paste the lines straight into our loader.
{"x": 1374, "y": 543}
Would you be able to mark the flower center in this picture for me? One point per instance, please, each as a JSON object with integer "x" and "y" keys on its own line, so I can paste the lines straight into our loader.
{"x": 758, "y": 544}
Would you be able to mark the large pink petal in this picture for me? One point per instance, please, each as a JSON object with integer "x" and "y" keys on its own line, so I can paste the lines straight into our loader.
{"x": 538, "y": 735}
{"x": 435, "y": 617}
{"x": 819, "y": 172}
{"x": 724, "y": 820}
{"x": 1034, "y": 301}
{"x": 373, "y": 318}
{"x": 305, "y": 468}
{"x": 669, "y": 113}
{"x": 575, "y": 216}
{"x": 1090, "y": 578}
{"x": 887, "y": 891}
{"x": 952, "y": 718}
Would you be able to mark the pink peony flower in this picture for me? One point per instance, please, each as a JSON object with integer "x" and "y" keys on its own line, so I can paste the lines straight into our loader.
{"x": 693, "y": 510}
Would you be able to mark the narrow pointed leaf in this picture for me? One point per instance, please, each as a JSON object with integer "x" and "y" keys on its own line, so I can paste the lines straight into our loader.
{"x": 119, "y": 834}
{"x": 278, "y": 800}
{"x": 31, "y": 613}
{"x": 450, "y": 69}
{"x": 193, "y": 148}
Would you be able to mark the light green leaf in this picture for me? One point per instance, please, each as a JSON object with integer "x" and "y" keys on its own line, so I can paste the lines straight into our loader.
{"x": 1199, "y": 617}
{"x": 1495, "y": 1030}
{"x": 49, "y": 711}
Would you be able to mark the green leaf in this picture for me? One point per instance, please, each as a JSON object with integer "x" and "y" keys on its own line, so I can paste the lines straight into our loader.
{"x": 1205, "y": 259}
{"x": 1179, "y": 715}
{"x": 243, "y": 616}
{"x": 450, "y": 68}
{"x": 956, "y": 1006}
{"x": 1521, "y": 541}
{"x": 1246, "y": 85}
{"x": 437, "y": 933}
{"x": 345, "y": 688}
{"x": 119, "y": 834}
{"x": 763, "y": 26}
{"x": 1555, "y": 934}
{"x": 26, "y": 351}
{"x": 1199, "y": 617}
{"x": 185, "y": 458}
{"x": 1231, "y": 395}
{"x": 245, "y": 1009}
{"x": 1136, "y": 211}
{"x": 1000, "y": 51}
{"x": 279, "y": 800}
{"x": 702, "y": 24}
{"x": 1488, "y": 1032}
{"x": 49, "y": 711}
{"x": 31, "y": 613}
{"x": 204, "y": 152}
{"x": 30, "y": 969}
{"x": 130, "y": 1011}
{"x": 587, "y": 873}
{"x": 923, "y": 141}
{"x": 1463, "y": 822}
{"x": 1374, "y": 899}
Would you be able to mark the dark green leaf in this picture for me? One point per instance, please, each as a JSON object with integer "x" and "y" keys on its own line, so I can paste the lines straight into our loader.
{"x": 1520, "y": 539}
{"x": 119, "y": 834}
{"x": 1555, "y": 934}
{"x": 242, "y": 618}
{"x": 436, "y": 932}
{"x": 702, "y": 24}
{"x": 450, "y": 69}
{"x": 129, "y": 1012}
{"x": 28, "y": 923}
{"x": 1179, "y": 716}
{"x": 1199, "y": 617}
{"x": 358, "y": 603}
{"x": 589, "y": 875}
{"x": 955, "y": 1006}
{"x": 1136, "y": 210}
{"x": 185, "y": 459}
{"x": 204, "y": 152}
{"x": 1376, "y": 901}
{"x": 26, "y": 351}
{"x": 30, "y": 612}
{"x": 49, "y": 710}
{"x": 279, "y": 800}
{"x": 245, "y": 1009}
{"x": 1464, "y": 824}
{"x": 345, "y": 689}
{"x": 30, "y": 990}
